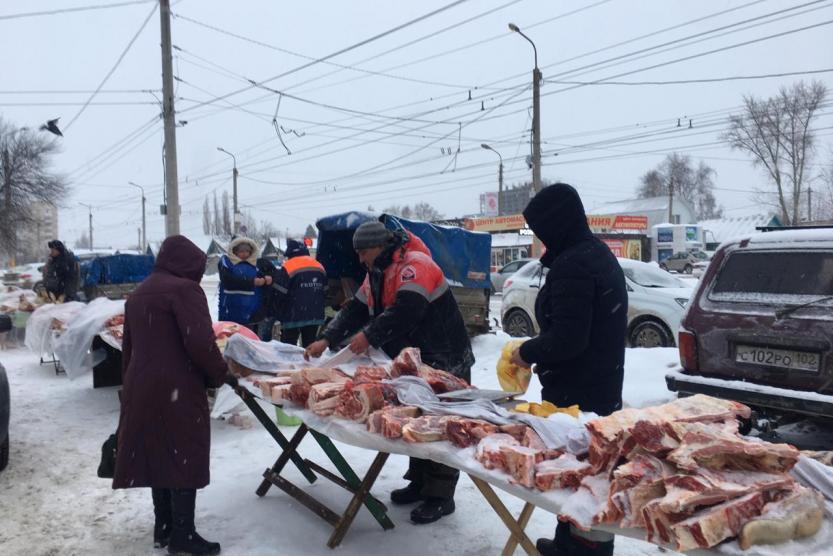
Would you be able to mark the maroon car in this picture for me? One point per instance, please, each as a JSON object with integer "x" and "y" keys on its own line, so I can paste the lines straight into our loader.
{"x": 759, "y": 328}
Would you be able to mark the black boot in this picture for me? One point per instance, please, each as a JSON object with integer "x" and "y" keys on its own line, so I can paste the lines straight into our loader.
{"x": 431, "y": 510}
{"x": 163, "y": 520}
{"x": 184, "y": 538}
{"x": 407, "y": 495}
{"x": 558, "y": 546}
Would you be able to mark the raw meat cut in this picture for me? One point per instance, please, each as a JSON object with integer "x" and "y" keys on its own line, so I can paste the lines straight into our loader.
{"x": 464, "y": 432}
{"x": 370, "y": 374}
{"x": 267, "y": 383}
{"x": 389, "y": 420}
{"x": 717, "y": 523}
{"x": 532, "y": 440}
{"x": 407, "y": 362}
{"x": 610, "y": 437}
{"x": 520, "y": 463}
{"x": 441, "y": 381}
{"x": 799, "y": 514}
{"x": 428, "y": 428}
{"x": 515, "y": 430}
{"x": 280, "y": 393}
{"x": 563, "y": 472}
{"x": 636, "y": 483}
{"x": 358, "y": 401}
{"x": 713, "y": 448}
{"x": 588, "y": 505}
{"x": 488, "y": 451}
{"x": 324, "y": 397}
{"x": 706, "y": 488}
{"x": 304, "y": 379}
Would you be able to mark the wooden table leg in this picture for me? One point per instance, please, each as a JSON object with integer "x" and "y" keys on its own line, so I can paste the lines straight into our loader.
{"x": 283, "y": 459}
{"x": 276, "y": 433}
{"x": 358, "y": 499}
{"x": 513, "y": 526}
{"x": 512, "y": 543}
{"x": 376, "y": 508}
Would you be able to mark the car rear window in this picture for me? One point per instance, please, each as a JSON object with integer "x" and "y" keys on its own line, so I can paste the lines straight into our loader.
{"x": 774, "y": 273}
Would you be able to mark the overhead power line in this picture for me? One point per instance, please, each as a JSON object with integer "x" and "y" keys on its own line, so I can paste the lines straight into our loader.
{"x": 113, "y": 69}
{"x": 76, "y": 9}
{"x": 690, "y": 81}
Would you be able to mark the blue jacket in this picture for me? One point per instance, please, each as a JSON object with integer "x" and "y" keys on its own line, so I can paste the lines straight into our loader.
{"x": 239, "y": 297}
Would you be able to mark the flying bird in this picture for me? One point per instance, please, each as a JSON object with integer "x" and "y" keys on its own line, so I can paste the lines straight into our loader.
{"x": 52, "y": 127}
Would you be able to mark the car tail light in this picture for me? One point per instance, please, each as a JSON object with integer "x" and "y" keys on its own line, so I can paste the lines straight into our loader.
{"x": 507, "y": 283}
{"x": 688, "y": 350}
{"x": 25, "y": 276}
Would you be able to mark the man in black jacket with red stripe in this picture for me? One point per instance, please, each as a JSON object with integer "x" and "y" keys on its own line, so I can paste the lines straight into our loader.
{"x": 582, "y": 312}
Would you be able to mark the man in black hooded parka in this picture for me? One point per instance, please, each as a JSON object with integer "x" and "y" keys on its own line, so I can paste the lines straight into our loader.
{"x": 582, "y": 313}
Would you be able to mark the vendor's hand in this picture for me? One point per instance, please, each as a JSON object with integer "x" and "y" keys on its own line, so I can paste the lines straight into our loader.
{"x": 359, "y": 343}
{"x": 316, "y": 348}
{"x": 260, "y": 281}
{"x": 268, "y": 280}
{"x": 516, "y": 359}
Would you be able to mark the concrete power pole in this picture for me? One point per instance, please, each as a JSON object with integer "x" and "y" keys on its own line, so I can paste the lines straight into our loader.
{"x": 90, "y": 210}
{"x": 536, "y": 127}
{"x": 171, "y": 179}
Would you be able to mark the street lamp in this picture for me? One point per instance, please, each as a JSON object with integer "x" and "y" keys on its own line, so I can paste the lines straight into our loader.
{"x": 499, "y": 177}
{"x": 144, "y": 245}
{"x": 234, "y": 176}
{"x": 90, "y": 210}
{"x": 536, "y": 114}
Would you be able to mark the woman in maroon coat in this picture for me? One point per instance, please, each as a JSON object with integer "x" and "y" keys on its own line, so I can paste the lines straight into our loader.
{"x": 169, "y": 359}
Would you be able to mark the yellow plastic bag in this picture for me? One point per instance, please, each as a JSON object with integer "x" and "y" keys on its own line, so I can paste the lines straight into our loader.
{"x": 545, "y": 409}
{"x": 512, "y": 378}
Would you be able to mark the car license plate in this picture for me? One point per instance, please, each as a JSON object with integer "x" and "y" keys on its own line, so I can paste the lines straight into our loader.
{"x": 783, "y": 358}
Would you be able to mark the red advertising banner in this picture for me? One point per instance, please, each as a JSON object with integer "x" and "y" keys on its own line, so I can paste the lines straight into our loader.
{"x": 617, "y": 222}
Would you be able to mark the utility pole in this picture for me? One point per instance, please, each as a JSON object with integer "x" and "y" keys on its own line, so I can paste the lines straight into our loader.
{"x": 90, "y": 209}
{"x": 168, "y": 113}
{"x": 144, "y": 241}
{"x": 809, "y": 204}
{"x": 234, "y": 173}
{"x": 499, "y": 178}
{"x": 671, "y": 200}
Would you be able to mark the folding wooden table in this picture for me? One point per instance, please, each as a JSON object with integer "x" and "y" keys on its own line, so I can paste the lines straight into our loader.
{"x": 349, "y": 480}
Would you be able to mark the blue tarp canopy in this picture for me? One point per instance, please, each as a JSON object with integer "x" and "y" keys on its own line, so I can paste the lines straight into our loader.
{"x": 463, "y": 256}
{"x": 116, "y": 269}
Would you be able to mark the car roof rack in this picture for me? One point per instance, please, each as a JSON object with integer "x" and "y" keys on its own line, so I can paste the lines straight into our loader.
{"x": 782, "y": 228}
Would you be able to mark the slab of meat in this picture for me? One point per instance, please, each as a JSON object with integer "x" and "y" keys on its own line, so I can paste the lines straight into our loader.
{"x": 324, "y": 397}
{"x": 799, "y": 514}
{"x": 708, "y": 447}
{"x": 267, "y": 383}
{"x": 562, "y": 472}
{"x": 611, "y": 435}
{"x": 520, "y": 463}
{"x": 370, "y": 374}
{"x": 358, "y": 401}
{"x": 464, "y": 432}
{"x": 715, "y": 524}
{"x": 588, "y": 505}
{"x": 705, "y": 488}
{"x": 531, "y": 439}
{"x": 280, "y": 393}
{"x": 428, "y": 428}
{"x": 304, "y": 379}
{"x": 407, "y": 362}
{"x": 441, "y": 381}
{"x": 488, "y": 451}
{"x": 636, "y": 483}
{"x": 515, "y": 430}
{"x": 389, "y": 420}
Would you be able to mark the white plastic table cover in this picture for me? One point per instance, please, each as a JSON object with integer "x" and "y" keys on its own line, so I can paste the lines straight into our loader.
{"x": 39, "y": 326}
{"x": 356, "y": 434}
{"x": 73, "y": 346}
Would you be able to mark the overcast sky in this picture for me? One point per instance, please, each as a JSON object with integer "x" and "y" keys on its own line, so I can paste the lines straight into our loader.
{"x": 379, "y": 131}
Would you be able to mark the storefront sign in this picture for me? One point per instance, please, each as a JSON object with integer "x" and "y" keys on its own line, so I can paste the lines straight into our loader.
{"x": 606, "y": 222}
{"x": 691, "y": 233}
{"x": 665, "y": 235}
{"x": 508, "y": 222}
{"x": 625, "y": 248}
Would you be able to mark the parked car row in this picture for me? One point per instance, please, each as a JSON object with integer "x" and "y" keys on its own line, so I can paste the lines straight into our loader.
{"x": 656, "y": 302}
{"x": 685, "y": 262}
{"x": 24, "y": 276}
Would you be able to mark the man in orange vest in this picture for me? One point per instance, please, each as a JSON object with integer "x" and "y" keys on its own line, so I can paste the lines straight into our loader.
{"x": 298, "y": 289}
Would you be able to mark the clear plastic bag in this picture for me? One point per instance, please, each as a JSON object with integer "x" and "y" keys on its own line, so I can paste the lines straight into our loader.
{"x": 39, "y": 332}
{"x": 264, "y": 357}
{"x": 73, "y": 346}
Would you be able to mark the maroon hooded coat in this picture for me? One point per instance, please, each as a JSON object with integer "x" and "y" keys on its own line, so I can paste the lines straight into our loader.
{"x": 169, "y": 359}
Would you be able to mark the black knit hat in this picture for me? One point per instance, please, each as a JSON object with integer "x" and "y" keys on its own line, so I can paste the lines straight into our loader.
{"x": 370, "y": 234}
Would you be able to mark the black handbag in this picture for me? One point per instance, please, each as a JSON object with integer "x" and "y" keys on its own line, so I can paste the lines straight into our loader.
{"x": 107, "y": 466}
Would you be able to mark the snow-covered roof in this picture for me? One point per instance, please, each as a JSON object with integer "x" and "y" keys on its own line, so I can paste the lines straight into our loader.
{"x": 727, "y": 228}
{"x": 631, "y": 206}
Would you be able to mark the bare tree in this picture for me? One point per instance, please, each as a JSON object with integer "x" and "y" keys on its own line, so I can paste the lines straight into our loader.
{"x": 310, "y": 231}
{"x": 424, "y": 211}
{"x": 206, "y": 217}
{"x": 25, "y": 178}
{"x": 226, "y": 230}
{"x": 777, "y": 133}
{"x": 823, "y": 208}
{"x": 694, "y": 184}
{"x": 82, "y": 242}
{"x": 217, "y": 226}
